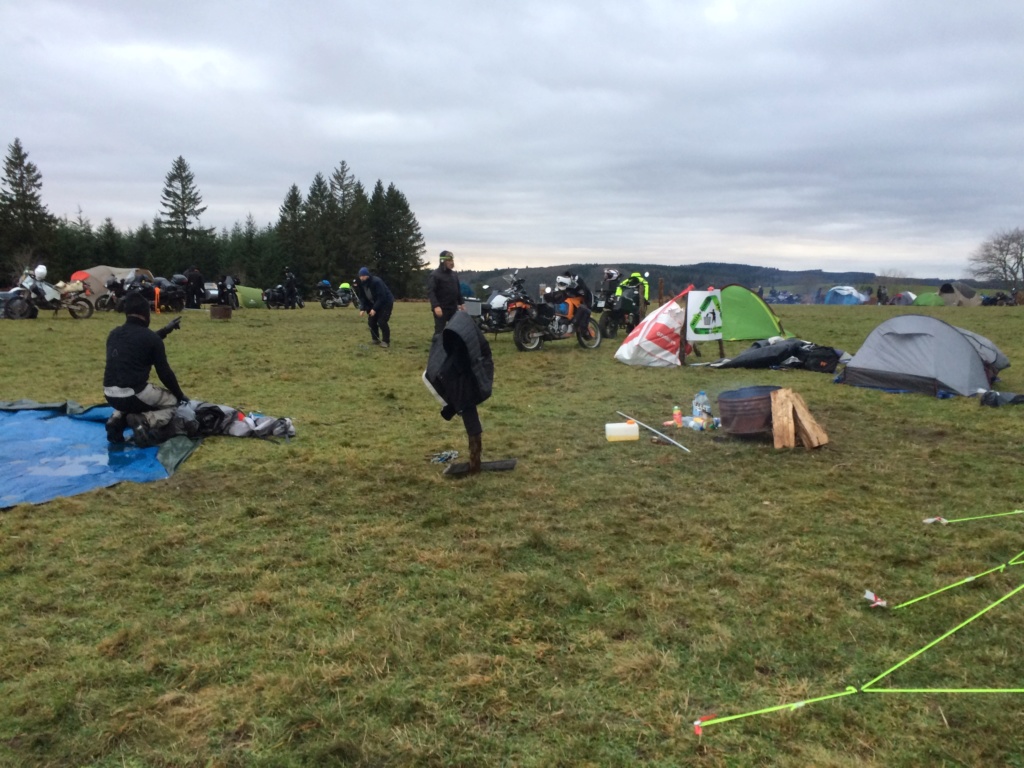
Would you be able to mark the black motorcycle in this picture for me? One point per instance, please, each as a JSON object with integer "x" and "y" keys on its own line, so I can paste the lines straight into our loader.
{"x": 227, "y": 292}
{"x": 622, "y": 309}
{"x": 331, "y": 298}
{"x": 277, "y": 297}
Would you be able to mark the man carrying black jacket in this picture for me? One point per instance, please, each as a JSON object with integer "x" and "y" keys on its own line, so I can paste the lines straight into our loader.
{"x": 444, "y": 292}
{"x": 132, "y": 350}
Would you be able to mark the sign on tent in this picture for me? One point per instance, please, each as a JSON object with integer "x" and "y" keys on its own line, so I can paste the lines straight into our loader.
{"x": 704, "y": 315}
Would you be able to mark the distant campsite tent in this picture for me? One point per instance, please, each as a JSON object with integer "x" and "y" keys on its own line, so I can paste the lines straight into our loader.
{"x": 745, "y": 316}
{"x": 959, "y": 295}
{"x": 904, "y": 299}
{"x": 845, "y": 294}
{"x": 929, "y": 300}
{"x": 918, "y": 353}
{"x": 95, "y": 278}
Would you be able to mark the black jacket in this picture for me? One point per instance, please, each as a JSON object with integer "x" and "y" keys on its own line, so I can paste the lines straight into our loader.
{"x": 443, "y": 289}
{"x": 373, "y": 294}
{"x": 132, "y": 350}
{"x": 460, "y": 367}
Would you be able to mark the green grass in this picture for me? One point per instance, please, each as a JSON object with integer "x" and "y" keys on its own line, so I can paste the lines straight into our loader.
{"x": 336, "y": 600}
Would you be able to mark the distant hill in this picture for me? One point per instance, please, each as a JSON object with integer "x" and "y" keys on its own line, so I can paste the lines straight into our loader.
{"x": 677, "y": 277}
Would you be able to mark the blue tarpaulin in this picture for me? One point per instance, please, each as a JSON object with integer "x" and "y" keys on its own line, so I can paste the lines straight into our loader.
{"x": 60, "y": 449}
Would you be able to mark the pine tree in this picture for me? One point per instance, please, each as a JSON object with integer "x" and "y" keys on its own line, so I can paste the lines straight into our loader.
{"x": 26, "y": 227}
{"x": 289, "y": 233}
{"x": 398, "y": 241}
{"x": 181, "y": 202}
{"x": 321, "y": 216}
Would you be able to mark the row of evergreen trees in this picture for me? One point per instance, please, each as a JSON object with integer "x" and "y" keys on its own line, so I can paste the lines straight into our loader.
{"x": 328, "y": 233}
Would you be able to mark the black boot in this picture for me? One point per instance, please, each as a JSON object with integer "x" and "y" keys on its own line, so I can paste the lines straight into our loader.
{"x": 115, "y": 428}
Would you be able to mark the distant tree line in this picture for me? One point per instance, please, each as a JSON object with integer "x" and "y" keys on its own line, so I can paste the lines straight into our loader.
{"x": 329, "y": 233}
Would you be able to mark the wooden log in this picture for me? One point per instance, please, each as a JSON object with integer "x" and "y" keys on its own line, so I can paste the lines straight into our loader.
{"x": 783, "y": 428}
{"x": 808, "y": 431}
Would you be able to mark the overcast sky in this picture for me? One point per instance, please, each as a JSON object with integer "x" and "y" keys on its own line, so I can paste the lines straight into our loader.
{"x": 840, "y": 134}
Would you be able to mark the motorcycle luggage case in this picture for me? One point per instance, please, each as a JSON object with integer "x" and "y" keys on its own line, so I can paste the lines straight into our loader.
{"x": 472, "y": 307}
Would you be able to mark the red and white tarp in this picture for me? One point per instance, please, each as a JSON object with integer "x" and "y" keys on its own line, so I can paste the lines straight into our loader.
{"x": 655, "y": 342}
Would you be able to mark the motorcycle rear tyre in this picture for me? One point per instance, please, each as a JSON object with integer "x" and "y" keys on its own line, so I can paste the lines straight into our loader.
{"x": 80, "y": 308}
{"x": 17, "y": 308}
{"x": 526, "y": 337}
{"x": 595, "y": 336}
{"x": 609, "y": 328}
{"x": 327, "y": 303}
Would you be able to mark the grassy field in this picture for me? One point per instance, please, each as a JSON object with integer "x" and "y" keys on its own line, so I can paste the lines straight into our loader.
{"x": 337, "y": 601}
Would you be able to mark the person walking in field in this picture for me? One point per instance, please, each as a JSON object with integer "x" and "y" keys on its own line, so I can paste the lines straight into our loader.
{"x": 376, "y": 302}
{"x": 444, "y": 291}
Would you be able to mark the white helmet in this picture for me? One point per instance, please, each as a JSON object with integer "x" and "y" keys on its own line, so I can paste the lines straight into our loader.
{"x": 40, "y": 273}
{"x": 562, "y": 282}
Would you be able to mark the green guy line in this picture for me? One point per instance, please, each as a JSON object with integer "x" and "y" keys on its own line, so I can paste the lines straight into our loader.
{"x": 987, "y": 517}
{"x": 935, "y": 642}
{"x": 866, "y": 688}
{"x": 951, "y": 586}
{"x": 945, "y": 690}
{"x": 794, "y": 705}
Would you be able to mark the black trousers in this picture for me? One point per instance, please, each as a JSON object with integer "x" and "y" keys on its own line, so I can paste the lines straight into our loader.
{"x": 471, "y": 421}
{"x": 378, "y": 322}
{"x": 442, "y": 321}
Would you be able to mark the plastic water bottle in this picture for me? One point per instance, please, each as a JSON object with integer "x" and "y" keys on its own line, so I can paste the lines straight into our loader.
{"x": 701, "y": 406}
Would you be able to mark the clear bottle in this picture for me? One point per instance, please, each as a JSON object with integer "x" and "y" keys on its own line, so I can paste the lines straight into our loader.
{"x": 701, "y": 406}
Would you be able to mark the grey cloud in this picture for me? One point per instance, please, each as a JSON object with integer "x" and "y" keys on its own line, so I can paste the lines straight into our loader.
{"x": 847, "y": 135}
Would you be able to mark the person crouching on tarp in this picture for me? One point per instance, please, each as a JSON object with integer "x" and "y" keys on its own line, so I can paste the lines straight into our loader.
{"x": 461, "y": 371}
{"x": 132, "y": 350}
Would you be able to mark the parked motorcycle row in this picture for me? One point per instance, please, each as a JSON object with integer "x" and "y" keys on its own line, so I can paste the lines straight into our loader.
{"x": 565, "y": 312}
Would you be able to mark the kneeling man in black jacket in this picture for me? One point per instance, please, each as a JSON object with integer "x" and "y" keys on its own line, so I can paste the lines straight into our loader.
{"x": 132, "y": 350}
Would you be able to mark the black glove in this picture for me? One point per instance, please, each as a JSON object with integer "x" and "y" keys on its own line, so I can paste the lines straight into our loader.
{"x": 174, "y": 325}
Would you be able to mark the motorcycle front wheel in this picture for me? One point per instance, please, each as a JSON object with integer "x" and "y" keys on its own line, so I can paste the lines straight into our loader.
{"x": 105, "y": 303}
{"x": 526, "y": 337}
{"x": 591, "y": 341}
{"x": 80, "y": 308}
{"x": 17, "y": 309}
{"x": 608, "y": 326}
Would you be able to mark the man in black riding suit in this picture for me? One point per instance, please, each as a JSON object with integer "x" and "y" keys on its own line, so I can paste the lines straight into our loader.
{"x": 444, "y": 292}
{"x": 291, "y": 289}
{"x": 195, "y": 291}
{"x": 132, "y": 350}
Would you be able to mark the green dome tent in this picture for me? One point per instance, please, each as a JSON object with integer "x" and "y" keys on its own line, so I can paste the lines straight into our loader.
{"x": 929, "y": 300}
{"x": 745, "y": 316}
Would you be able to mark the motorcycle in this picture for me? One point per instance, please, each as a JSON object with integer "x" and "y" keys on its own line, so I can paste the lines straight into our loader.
{"x": 541, "y": 322}
{"x": 275, "y": 297}
{"x": 331, "y": 298}
{"x": 621, "y": 304}
{"x": 227, "y": 292}
{"x": 171, "y": 296}
{"x": 33, "y": 293}
{"x": 503, "y": 309}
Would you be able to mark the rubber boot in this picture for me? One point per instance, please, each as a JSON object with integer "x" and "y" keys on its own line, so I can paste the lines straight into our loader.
{"x": 475, "y": 449}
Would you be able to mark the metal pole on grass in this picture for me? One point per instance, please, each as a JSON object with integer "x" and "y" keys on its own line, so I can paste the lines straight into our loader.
{"x": 652, "y": 429}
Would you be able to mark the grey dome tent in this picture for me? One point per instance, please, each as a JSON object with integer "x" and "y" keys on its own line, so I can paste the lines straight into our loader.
{"x": 918, "y": 353}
